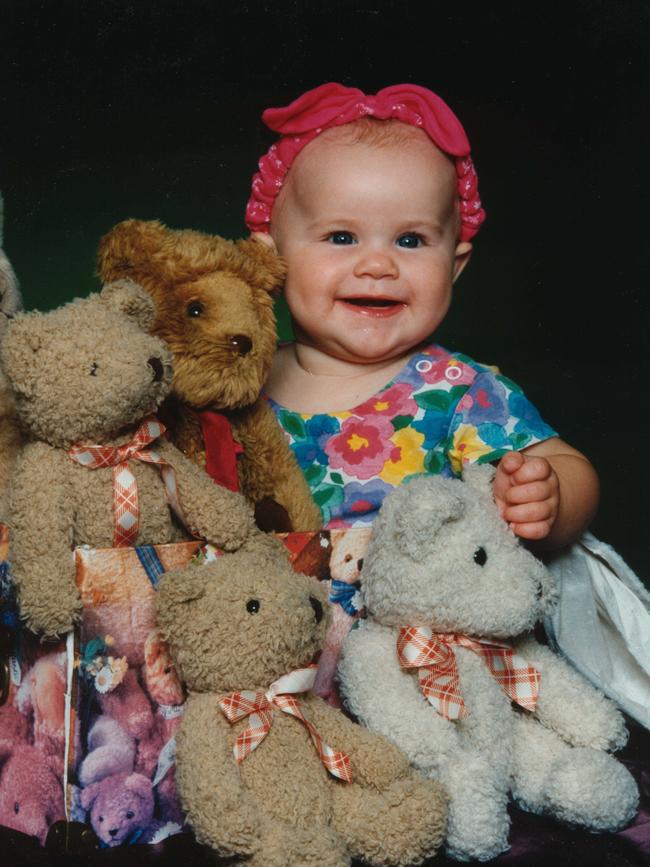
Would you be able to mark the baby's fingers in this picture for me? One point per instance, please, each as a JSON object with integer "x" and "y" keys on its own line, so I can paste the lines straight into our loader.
{"x": 529, "y": 512}
{"x": 533, "y": 492}
{"x": 533, "y": 530}
{"x": 532, "y": 470}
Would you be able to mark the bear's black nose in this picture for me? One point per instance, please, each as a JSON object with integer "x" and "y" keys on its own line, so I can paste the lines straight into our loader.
{"x": 157, "y": 366}
{"x": 318, "y": 609}
{"x": 113, "y": 832}
{"x": 241, "y": 344}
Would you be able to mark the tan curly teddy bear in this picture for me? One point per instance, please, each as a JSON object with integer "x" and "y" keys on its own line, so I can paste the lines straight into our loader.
{"x": 85, "y": 379}
{"x": 214, "y": 302}
{"x": 267, "y": 771}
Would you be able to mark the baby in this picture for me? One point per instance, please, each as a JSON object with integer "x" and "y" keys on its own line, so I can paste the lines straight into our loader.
{"x": 373, "y": 203}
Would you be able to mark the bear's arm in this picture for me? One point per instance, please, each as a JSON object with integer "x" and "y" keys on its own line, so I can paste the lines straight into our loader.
{"x": 375, "y": 761}
{"x": 221, "y": 812}
{"x": 42, "y": 520}
{"x": 271, "y": 470}
{"x": 571, "y": 706}
{"x": 212, "y": 512}
{"x": 388, "y": 701}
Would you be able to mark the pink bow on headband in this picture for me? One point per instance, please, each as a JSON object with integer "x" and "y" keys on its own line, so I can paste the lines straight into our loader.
{"x": 333, "y": 105}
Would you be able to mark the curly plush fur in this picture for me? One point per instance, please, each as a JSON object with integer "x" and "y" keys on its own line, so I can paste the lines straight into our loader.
{"x": 215, "y": 311}
{"x": 280, "y": 807}
{"x": 10, "y": 304}
{"x": 89, "y": 372}
{"x": 441, "y": 557}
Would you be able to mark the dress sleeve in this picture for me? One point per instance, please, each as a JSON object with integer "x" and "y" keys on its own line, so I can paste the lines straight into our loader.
{"x": 491, "y": 418}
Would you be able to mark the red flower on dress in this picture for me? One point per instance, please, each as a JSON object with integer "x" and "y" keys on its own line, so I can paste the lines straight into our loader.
{"x": 362, "y": 447}
{"x": 395, "y": 400}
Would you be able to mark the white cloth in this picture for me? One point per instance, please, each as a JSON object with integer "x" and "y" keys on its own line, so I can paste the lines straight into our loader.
{"x": 602, "y": 623}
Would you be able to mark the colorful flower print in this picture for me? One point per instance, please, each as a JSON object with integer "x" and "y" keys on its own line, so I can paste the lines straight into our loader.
{"x": 411, "y": 459}
{"x": 360, "y": 504}
{"x": 486, "y": 401}
{"x": 468, "y": 447}
{"x": 393, "y": 401}
{"x": 529, "y": 420}
{"x": 362, "y": 447}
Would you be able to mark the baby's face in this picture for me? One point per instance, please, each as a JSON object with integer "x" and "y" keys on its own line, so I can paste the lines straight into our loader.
{"x": 369, "y": 234}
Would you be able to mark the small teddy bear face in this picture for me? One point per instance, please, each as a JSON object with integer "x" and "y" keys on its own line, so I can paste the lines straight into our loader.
{"x": 441, "y": 556}
{"x": 86, "y": 370}
{"x": 120, "y": 806}
{"x": 242, "y": 621}
{"x": 214, "y": 301}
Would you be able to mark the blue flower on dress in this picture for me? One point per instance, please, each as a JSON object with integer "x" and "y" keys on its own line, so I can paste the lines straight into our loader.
{"x": 318, "y": 429}
{"x": 485, "y": 401}
{"x": 529, "y": 420}
{"x": 361, "y": 501}
{"x": 434, "y": 426}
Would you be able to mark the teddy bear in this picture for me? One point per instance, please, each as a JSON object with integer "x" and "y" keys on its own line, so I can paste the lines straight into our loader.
{"x": 10, "y": 304}
{"x": 447, "y": 668}
{"x": 214, "y": 302}
{"x": 41, "y": 699}
{"x": 87, "y": 378}
{"x": 346, "y": 560}
{"x": 31, "y": 793}
{"x": 266, "y": 770}
{"x": 121, "y": 809}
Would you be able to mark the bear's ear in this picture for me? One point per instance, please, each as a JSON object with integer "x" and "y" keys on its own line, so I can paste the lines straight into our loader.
{"x": 22, "y": 340}
{"x": 177, "y": 589}
{"x": 89, "y": 795}
{"x": 139, "y": 785}
{"x": 125, "y": 296}
{"x": 6, "y": 748}
{"x": 269, "y": 271}
{"x": 128, "y": 247}
{"x": 430, "y": 504}
{"x": 480, "y": 477}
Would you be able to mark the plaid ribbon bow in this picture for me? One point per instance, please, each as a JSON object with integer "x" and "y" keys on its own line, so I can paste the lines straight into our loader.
{"x": 432, "y": 654}
{"x": 259, "y": 706}
{"x": 126, "y": 510}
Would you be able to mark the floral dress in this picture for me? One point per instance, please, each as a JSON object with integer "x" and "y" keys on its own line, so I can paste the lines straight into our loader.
{"x": 440, "y": 412}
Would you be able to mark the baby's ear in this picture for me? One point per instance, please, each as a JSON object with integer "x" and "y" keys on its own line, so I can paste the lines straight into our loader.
{"x": 128, "y": 247}
{"x": 269, "y": 270}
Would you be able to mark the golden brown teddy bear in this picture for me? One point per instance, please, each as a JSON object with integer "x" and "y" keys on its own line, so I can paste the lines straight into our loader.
{"x": 214, "y": 302}
{"x": 85, "y": 379}
{"x": 242, "y": 631}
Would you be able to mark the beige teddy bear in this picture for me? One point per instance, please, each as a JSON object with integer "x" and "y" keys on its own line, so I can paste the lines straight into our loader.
{"x": 267, "y": 771}
{"x": 85, "y": 377}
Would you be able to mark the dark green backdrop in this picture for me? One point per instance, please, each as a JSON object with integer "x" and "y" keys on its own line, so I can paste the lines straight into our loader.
{"x": 151, "y": 109}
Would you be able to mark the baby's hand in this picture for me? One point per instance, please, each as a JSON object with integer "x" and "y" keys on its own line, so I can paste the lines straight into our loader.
{"x": 527, "y": 491}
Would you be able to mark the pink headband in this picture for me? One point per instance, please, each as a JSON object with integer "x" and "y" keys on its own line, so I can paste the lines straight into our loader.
{"x": 332, "y": 105}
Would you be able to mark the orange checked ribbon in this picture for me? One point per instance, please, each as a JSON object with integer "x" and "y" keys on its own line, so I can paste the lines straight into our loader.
{"x": 126, "y": 510}
{"x": 432, "y": 654}
{"x": 259, "y": 706}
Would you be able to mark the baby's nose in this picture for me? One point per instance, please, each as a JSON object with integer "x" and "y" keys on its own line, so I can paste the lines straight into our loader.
{"x": 376, "y": 264}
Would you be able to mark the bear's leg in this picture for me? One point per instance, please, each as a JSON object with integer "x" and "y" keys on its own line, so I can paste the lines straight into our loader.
{"x": 578, "y": 785}
{"x": 478, "y": 798}
{"x": 282, "y": 845}
{"x": 403, "y": 824}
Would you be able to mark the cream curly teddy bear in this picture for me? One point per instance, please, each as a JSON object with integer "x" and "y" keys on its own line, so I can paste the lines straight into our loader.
{"x": 451, "y": 592}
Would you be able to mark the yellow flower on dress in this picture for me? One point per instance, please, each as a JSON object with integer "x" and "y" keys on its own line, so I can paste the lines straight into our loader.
{"x": 411, "y": 459}
{"x": 467, "y": 448}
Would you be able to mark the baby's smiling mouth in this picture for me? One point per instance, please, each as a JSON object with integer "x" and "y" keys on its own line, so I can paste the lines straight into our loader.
{"x": 374, "y": 306}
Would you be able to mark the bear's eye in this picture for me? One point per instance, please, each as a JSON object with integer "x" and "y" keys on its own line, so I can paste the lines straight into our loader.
{"x": 347, "y": 558}
{"x": 194, "y": 308}
{"x": 16, "y": 807}
{"x": 130, "y": 814}
{"x": 480, "y": 556}
{"x": 101, "y": 818}
{"x": 94, "y": 367}
{"x": 253, "y": 606}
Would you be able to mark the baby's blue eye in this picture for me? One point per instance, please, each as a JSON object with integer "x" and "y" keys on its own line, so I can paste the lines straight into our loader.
{"x": 342, "y": 238}
{"x": 409, "y": 240}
